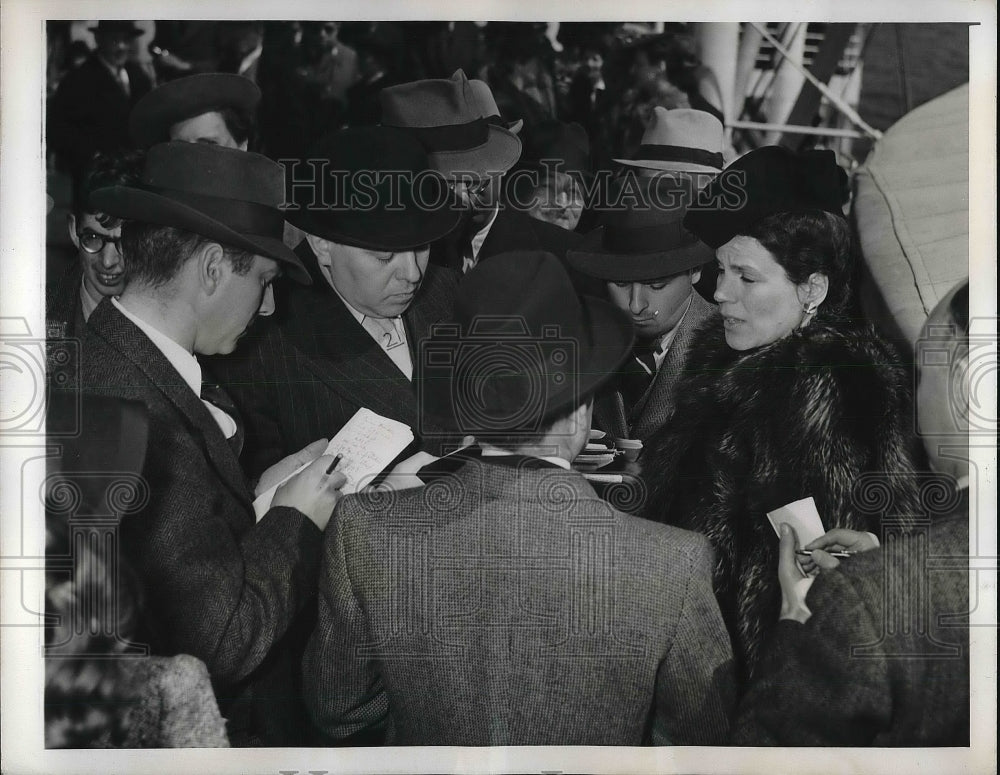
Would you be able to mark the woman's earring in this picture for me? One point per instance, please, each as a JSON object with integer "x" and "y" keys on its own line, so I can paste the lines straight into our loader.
{"x": 809, "y": 308}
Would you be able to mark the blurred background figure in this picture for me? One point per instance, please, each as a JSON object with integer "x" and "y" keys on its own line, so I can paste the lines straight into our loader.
{"x": 329, "y": 68}
{"x": 89, "y": 111}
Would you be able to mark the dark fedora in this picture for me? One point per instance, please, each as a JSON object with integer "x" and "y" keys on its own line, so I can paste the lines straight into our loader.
{"x": 119, "y": 26}
{"x": 644, "y": 240}
{"x": 487, "y": 106}
{"x": 370, "y": 187}
{"x": 558, "y": 141}
{"x": 521, "y": 348}
{"x": 153, "y": 115}
{"x": 445, "y": 114}
{"x": 766, "y": 181}
{"x": 229, "y": 196}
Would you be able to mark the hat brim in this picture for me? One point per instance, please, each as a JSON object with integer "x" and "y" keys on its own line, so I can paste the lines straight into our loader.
{"x": 175, "y": 101}
{"x": 498, "y": 154}
{"x": 393, "y": 230}
{"x": 593, "y": 260}
{"x": 667, "y": 166}
{"x": 137, "y": 204}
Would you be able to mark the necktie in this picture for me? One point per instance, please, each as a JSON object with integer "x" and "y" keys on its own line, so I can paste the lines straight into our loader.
{"x": 638, "y": 372}
{"x": 218, "y": 398}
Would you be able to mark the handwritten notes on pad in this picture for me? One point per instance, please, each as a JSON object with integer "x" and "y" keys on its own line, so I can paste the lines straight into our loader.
{"x": 802, "y": 516}
{"x": 368, "y": 443}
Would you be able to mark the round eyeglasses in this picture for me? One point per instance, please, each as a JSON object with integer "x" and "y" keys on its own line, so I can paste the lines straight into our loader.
{"x": 92, "y": 242}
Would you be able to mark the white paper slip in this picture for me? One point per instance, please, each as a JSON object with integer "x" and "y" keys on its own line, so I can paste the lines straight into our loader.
{"x": 802, "y": 516}
{"x": 368, "y": 443}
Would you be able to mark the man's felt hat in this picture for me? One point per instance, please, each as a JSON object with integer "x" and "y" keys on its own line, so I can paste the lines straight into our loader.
{"x": 766, "y": 181}
{"x": 521, "y": 348}
{"x": 228, "y": 196}
{"x": 153, "y": 115}
{"x": 447, "y": 118}
{"x": 642, "y": 238}
{"x": 680, "y": 140}
{"x": 370, "y": 187}
{"x": 487, "y": 106}
{"x": 120, "y": 26}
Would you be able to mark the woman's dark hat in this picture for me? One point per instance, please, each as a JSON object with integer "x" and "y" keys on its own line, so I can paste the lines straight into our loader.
{"x": 644, "y": 239}
{"x": 370, "y": 187}
{"x": 229, "y": 196}
{"x": 521, "y": 348}
{"x": 153, "y": 115}
{"x": 446, "y": 115}
{"x": 109, "y": 27}
{"x": 558, "y": 141}
{"x": 766, "y": 181}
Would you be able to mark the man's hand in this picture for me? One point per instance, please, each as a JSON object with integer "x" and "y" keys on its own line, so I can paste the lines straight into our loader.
{"x": 794, "y": 582}
{"x": 837, "y": 540}
{"x": 289, "y": 465}
{"x": 312, "y": 491}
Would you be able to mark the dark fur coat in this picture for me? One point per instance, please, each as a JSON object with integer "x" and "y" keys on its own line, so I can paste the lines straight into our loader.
{"x": 752, "y": 431}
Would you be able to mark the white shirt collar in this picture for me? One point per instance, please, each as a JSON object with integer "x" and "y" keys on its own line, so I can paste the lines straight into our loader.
{"x": 483, "y": 233}
{"x": 182, "y": 360}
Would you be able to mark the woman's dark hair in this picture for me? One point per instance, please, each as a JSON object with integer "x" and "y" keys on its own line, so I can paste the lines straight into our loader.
{"x": 239, "y": 123}
{"x": 958, "y": 310}
{"x": 154, "y": 254}
{"x": 807, "y": 242}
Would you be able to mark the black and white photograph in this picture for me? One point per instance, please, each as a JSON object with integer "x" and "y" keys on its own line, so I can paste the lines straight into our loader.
{"x": 562, "y": 392}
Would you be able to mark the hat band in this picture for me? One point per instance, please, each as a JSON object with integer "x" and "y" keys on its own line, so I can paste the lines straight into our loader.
{"x": 238, "y": 214}
{"x": 647, "y": 239}
{"x": 454, "y": 137}
{"x": 679, "y": 153}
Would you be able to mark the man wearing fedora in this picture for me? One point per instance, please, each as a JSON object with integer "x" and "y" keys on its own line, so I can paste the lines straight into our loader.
{"x": 216, "y": 108}
{"x": 89, "y": 111}
{"x": 650, "y": 264}
{"x": 202, "y": 234}
{"x": 472, "y": 611}
{"x": 473, "y": 153}
{"x": 369, "y": 207}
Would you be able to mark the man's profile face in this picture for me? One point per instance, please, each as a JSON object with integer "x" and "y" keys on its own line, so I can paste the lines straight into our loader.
{"x": 238, "y": 299}
{"x": 380, "y": 284}
{"x": 656, "y": 306}
{"x": 205, "y": 128}
{"x": 103, "y": 270}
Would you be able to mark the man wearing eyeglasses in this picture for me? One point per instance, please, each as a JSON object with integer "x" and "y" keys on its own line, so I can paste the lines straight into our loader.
{"x": 99, "y": 270}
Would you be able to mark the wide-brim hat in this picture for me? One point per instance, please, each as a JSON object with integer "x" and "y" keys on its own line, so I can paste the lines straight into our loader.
{"x": 370, "y": 187}
{"x": 521, "y": 348}
{"x": 445, "y": 115}
{"x": 643, "y": 238}
{"x": 680, "y": 140}
{"x": 223, "y": 194}
{"x": 766, "y": 181}
{"x": 487, "y": 107}
{"x": 153, "y": 115}
{"x": 108, "y": 26}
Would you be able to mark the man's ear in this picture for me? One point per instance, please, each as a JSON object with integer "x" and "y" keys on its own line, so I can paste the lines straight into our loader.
{"x": 71, "y": 224}
{"x": 244, "y": 145}
{"x": 695, "y": 275}
{"x": 321, "y": 248}
{"x": 212, "y": 266}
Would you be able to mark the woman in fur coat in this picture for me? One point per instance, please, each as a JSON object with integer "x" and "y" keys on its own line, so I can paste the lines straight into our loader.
{"x": 787, "y": 398}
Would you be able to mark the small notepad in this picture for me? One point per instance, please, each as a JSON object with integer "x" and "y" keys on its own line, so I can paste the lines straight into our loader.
{"x": 801, "y": 515}
{"x": 368, "y": 443}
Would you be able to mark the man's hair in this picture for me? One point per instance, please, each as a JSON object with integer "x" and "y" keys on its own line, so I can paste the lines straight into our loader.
{"x": 155, "y": 254}
{"x": 119, "y": 168}
{"x": 518, "y": 439}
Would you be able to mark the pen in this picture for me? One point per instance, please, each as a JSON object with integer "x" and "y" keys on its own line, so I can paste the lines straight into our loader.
{"x": 808, "y": 553}
{"x": 333, "y": 465}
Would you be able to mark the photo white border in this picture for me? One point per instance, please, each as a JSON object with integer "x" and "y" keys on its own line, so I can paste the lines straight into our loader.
{"x": 22, "y": 230}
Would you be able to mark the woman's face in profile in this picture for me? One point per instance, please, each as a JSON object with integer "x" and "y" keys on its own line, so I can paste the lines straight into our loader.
{"x": 759, "y": 304}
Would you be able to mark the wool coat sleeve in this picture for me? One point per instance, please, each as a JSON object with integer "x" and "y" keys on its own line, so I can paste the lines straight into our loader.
{"x": 343, "y": 690}
{"x": 695, "y": 687}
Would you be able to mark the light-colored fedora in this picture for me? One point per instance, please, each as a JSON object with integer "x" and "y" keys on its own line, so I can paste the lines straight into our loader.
{"x": 680, "y": 140}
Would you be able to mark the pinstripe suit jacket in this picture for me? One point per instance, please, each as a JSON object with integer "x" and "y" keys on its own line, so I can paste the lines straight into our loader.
{"x": 653, "y": 409}
{"x": 508, "y": 605}
{"x": 311, "y": 367}
{"x": 219, "y": 586}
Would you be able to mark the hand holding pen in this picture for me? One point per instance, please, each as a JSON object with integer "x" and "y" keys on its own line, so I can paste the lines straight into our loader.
{"x": 826, "y": 552}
